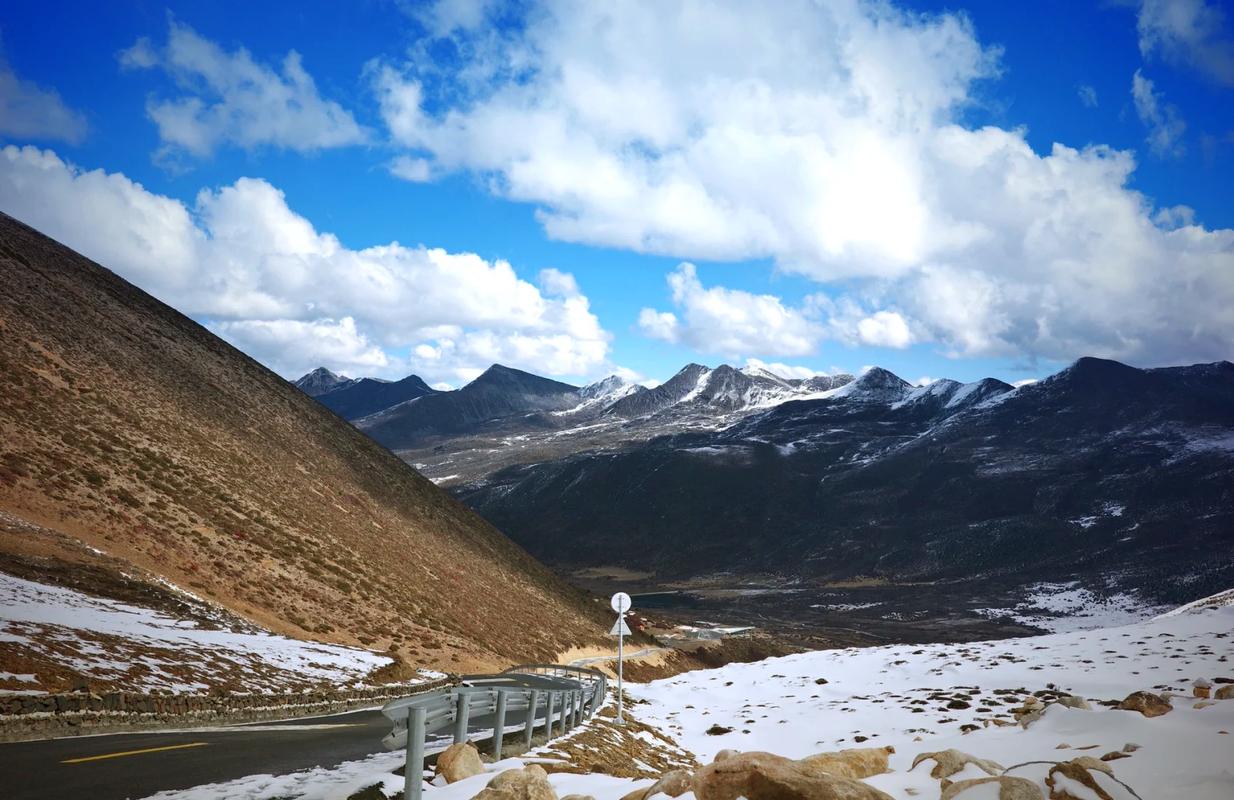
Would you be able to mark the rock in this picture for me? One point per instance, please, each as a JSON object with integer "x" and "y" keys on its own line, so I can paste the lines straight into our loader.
{"x": 528, "y": 783}
{"x": 1071, "y": 701}
{"x": 578, "y": 797}
{"x": 459, "y": 761}
{"x": 1201, "y": 688}
{"x": 723, "y": 754}
{"x": 1204, "y": 704}
{"x": 1071, "y": 780}
{"x": 1130, "y": 747}
{"x": 673, "y": 783}
{"x": 856, "y": 762}
{"x": 718, "y": 730}
{"x": 1009, "y": 788}
{"x": 949, "y": 762}
{"x": 1088, "y": 762}
{"x": 764, "y": 776}
{"x": 1114, "y": 755}
{"x": 1225, "y": 693}
{"x": 1147, "y": 703}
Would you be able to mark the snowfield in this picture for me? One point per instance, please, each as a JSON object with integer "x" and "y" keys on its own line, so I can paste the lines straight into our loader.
{"x": 917, "y": 699}
{"x": 145, "y": 649}
{"x": 909, "y": 697}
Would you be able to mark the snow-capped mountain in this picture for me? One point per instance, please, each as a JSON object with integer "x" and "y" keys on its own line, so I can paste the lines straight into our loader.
{"x": 1103, "y": 472}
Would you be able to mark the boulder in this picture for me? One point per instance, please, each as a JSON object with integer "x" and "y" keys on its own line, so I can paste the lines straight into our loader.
{"x": 723, "y": 754}
{"x": 855, "y": 762}
{"x": 1147, "y": 703}
{"x": 949, "y": 762}
{"x": 1009, "y": 788}
{"x": 1201, "y": 688}
{"x": 528, "y": 783}
{"x": 459, "y": 761}
{"x": 1071, "y": 701}
{"x": 673, "y": 783}
{"x": 1071, "y": 780}
{"x": 765, "y": 776}
{"x": 1225, "y": 693}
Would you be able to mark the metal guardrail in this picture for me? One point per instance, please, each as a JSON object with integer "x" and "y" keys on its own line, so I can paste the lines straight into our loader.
{"x": 552, "y": 697}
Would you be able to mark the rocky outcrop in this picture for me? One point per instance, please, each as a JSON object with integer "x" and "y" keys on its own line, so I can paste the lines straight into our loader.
{"x": 770, "y": 777}
{"x": 949, "y": 762}
{"x": 1009, "y": 788}
{"x": 1073, "y": 780}
{"x": 857, "y": 762}
{"x": 1147, "y": 703}
{"x": 528, "y": 783}
{"x": 459, "y": 761}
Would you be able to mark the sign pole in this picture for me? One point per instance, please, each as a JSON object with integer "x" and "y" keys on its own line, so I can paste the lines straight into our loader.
{"x": 621, "y": 604}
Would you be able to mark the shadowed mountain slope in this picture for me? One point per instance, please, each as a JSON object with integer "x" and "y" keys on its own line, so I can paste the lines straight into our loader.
{"x": 131, "y": 428}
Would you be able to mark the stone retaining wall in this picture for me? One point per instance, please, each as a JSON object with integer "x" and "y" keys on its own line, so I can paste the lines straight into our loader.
{"x": 24, "y": 717}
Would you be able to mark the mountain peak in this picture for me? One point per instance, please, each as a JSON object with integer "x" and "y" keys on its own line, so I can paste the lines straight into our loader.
{"x": 320, "y": 381}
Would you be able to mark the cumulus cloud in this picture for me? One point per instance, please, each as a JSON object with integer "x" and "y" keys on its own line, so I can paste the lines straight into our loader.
{"x": 829, "y": 138}
{"x": 30, "y": 111}
{"x": 229, "y": 98}
{"x": 729, "y": 321}
{"x": 265, "y": 278}
{"x": 788, "y": 370}
{"x": 1165, "y": 127}
{"x": 1188, "y": 32}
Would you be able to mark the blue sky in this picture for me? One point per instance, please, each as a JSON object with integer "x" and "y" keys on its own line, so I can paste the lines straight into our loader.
{"x": 854, "y": 183}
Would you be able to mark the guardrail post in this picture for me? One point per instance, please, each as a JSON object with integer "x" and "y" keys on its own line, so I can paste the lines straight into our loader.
{"x": 578, "y": 707}
{"x": 531, "y": 714}
{"x": 573, "y": 708}
{"x": 413, "y": 768}
{"x": 462, "y": 709}
{"x": 548, "y": 715}
{"x": 499, "y": 725}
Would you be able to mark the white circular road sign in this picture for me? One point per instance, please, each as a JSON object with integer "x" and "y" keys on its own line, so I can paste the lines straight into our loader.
{"x": 620, "y": 602}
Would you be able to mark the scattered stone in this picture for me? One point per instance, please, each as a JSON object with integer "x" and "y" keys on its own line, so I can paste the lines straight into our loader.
{"x": 1063, "y": 746}
{"x": 821, "y": 681}
{"x": 718, "y": 730}
{"x": 949, "y": 762}
{"x": 1071, "y": 701}
{"x": 1009, "y": 788}
{"x": 1114, "y": 755}
{"x": 855, "y": 762}
{"x": 1204, "y": 704}
{"x": 528, "y": 783}
{"x": 766, "y": 776}
{"x": 1147, "y": 703}
{"x": 1130, "y": 747}
{"x": 1201, "y": 688}
{"x": 459, "y": 761}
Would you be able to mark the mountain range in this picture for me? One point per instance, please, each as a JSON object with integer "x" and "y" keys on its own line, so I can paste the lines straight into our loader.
{"x": 143, "y": 457}
{"x": 1117, "y": 477}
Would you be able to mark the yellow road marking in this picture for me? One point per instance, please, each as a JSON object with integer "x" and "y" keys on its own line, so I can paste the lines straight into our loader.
{"x": 133, "y": 752}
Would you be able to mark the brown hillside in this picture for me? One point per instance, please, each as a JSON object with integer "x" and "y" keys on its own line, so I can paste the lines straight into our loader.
{"x": 130, "y": 427}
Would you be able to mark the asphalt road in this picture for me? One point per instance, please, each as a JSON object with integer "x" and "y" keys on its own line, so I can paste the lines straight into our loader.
{"x": 135, "y": 765}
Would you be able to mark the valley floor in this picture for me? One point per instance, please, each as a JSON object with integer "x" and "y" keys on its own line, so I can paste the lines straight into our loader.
{"x": 918, "y": 699}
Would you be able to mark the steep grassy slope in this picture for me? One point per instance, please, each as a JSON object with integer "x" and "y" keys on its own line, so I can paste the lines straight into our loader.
{"x": 131, "y": 428}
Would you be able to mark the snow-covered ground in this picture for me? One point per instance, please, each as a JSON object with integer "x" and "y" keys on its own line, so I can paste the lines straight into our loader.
{"x": 143, "y": 649}
{"x": 1067, "y": 607}
{"x": 902, "y": 696}
{"x": 916, "y": 699}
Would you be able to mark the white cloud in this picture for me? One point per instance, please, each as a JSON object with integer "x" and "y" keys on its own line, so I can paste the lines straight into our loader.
{"x": 1165, "y": 127}
{"x": 1087, "y": 94}
{"x": 828, "y": 138}
{"x": 729, "y": 321}
{"x": 30, "y": 111}
{"x": 232, "y": 99}
{"x": 295, "y": 297}
{"x": 1189, "y": 32}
